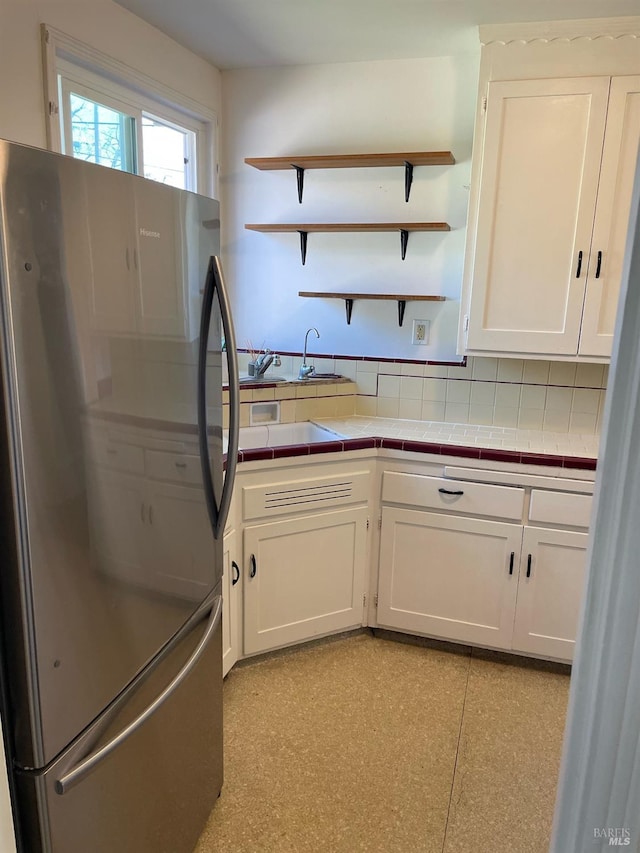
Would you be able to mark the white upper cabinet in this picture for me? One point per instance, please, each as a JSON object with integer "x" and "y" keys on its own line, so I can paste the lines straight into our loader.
{"x": 554, "y": 192}
{"x": 619, "y": 159}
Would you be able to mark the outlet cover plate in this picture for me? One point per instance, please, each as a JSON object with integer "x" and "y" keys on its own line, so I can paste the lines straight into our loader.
{"x": 420, "y": 333}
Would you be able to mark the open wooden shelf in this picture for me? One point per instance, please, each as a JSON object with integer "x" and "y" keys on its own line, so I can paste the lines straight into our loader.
{"x": 354, "y": 161}
{"x": 349, "y": 298}
{"x": 305, "y": 228}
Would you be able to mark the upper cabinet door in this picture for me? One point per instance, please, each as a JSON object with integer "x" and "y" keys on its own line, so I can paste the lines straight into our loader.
{"x": 541, "y": 160}
{"x": 619, "y": 159}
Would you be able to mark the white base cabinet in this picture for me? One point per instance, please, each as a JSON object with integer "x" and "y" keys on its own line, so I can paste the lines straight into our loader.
{"x": 482, "y": 581}
{"x": 461, "y": 556}
{"x": 447, "y": 576}
{"x": 551, "y": 581}
{"x": 303, "y": 577}
{"x": 231, "y": 602}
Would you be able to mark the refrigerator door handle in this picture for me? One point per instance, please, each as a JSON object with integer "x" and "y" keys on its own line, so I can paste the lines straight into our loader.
{"x": 215, "y": 284}
{"x": 211, "y": 607}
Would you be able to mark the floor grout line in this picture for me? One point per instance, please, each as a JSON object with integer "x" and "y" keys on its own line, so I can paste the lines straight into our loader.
{"x": 455, "y": 764}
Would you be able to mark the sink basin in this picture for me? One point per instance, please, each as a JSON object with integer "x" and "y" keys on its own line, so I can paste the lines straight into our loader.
{"x": 256, "y": 380}
{"x": 276, "y": 435}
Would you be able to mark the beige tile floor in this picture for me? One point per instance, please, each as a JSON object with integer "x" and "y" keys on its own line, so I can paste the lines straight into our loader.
{"x": 367, "y": 744}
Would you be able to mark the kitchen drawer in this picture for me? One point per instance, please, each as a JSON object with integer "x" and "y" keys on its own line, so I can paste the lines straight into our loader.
{"x": 416, "y": 490}
{"x": 560, "y": 509}
{"x": 116, "y": 454}
{"x": 177, "y": 467}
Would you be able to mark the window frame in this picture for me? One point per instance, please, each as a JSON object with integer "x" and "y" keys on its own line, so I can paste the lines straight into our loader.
{"x": 110, "y": 79}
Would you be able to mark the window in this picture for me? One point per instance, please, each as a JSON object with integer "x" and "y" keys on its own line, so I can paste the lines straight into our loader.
{"x": 104, "y": 113}
{"x": 96, "y": 132}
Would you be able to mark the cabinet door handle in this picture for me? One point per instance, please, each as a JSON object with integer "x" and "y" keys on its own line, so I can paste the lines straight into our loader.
{"x": 150, "y": 515}
{"x": 528, "y": 565}
{"x": 127, "y": 258}
{"x": 235, "y": 573}
{"x": 449, "y": 492}
{"x": 511, "y": 559}
{"x": 142, "y": 512}
{"x": 599, "y": 265}
{"x": 181, "y": 464}
{"x": 253, "y": 566}
{"x": 579, "y": 270}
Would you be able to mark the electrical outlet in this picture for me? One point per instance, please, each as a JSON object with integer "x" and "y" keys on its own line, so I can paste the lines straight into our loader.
{"x": 420, "y": 335}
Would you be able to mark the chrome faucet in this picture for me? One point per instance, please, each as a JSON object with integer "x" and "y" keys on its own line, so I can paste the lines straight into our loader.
{"x": 263, "y": 362}
{"x": 307, "y": 370}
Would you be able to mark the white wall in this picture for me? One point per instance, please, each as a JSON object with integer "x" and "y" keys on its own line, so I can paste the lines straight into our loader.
{"x": 415, "y": 105}
{"x": 106, "y": 27}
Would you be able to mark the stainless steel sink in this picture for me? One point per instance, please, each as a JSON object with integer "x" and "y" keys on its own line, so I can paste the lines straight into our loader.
{"x": 258, "y": 380}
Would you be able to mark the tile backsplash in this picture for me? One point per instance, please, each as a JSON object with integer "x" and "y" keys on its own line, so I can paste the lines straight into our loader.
{"x": 547, "y": 395}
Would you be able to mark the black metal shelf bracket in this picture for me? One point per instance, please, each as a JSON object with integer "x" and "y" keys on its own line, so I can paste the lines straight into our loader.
{"x": 408, "y": 179}
{"x": 303, "y": 245}
{"x": 404, "y": 239}
{"x": 300, "y": 179}
{"x": 348, "y": 304}
{"x": 402, "y": 304}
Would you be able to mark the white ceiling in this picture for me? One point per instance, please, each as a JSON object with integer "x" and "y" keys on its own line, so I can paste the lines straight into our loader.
{"x": 252, "y": 33}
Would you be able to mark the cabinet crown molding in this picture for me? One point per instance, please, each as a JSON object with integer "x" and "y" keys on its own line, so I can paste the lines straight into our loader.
{"x": 589, "y": 29}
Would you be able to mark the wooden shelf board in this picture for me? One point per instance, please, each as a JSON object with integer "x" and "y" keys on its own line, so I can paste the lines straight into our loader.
{"x": 352, "y": 161}
{"x": 350, "y": 298}
{"x": 396, "y": 297}
{"x": 349, "y": 226}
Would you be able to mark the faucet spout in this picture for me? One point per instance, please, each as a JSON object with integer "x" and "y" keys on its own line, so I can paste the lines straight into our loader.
{"x": 263, "y": 362}
{"x": 307, "y": 370}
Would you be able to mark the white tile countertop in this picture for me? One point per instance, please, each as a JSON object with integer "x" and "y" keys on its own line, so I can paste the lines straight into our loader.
{"x": 501, "y": 438}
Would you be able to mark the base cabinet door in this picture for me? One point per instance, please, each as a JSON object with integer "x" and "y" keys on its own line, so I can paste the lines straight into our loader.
{"x": 230, "y": 602}
{"x": 550, "y": 587}
{"x": 448, "y": 577}
{"x": 303, "y": 577}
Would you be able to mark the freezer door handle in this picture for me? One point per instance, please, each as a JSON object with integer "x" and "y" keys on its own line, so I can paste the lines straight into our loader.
{"x": 215, "y": 284}
{"x": 211, "y": 607}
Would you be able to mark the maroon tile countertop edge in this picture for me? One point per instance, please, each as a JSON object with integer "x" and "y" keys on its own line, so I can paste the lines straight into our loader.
{"x": 369, "y": 442}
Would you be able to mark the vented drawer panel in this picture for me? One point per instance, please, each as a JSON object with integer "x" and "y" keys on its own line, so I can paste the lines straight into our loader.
{"x": 309, "y": 493}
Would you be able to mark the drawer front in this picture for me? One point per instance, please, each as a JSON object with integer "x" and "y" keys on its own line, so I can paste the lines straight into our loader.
{"x": 461, "y": 496}
{"x": 116, "y": 454}
{"x": 560, "y": 509}
{"x": 176, "y": 467}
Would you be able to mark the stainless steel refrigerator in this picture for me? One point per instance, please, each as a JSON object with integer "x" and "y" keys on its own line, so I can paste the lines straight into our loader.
{"x": 113, "y": 320}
